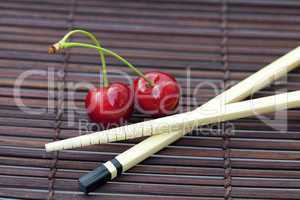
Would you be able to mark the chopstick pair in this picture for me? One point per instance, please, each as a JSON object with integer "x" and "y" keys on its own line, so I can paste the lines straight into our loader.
{"x": 149, "y": 146}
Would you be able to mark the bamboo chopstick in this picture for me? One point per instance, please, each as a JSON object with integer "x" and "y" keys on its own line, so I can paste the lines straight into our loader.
{"x": 182, "y": 122}
{"x": 136, "y": 154}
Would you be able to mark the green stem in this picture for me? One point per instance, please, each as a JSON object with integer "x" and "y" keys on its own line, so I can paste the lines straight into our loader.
{"x": 107, "y": 52}
{"x": 96, "y": 42}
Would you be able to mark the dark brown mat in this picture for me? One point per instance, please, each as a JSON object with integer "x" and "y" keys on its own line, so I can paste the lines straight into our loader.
{"x": 217, "y": 42}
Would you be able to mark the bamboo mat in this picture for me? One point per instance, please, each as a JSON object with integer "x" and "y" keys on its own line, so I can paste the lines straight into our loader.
{"x": 211, "y": 42}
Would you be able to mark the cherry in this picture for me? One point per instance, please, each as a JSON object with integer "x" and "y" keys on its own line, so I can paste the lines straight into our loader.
{"x": 110, "y": 105}
{"x": 156, "y": 93}
{"x": 161, "y": 98}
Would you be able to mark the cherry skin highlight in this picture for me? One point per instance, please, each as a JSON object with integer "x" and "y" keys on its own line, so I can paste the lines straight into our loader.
{"x": 110, "y": 105}
{"x": 161, "y": 98}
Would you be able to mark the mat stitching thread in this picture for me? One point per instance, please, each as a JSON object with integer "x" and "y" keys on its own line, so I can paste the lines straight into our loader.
{"x": 226, "y": 129}
{"x": 60, "y": 108}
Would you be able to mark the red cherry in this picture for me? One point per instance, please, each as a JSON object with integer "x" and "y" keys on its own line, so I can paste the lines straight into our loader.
{"x": 109, "y": 105}
{"x": 160, "y": 99}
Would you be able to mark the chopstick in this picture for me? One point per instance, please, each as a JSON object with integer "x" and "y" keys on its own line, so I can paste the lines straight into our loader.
{"x": 153, "y": 144}
{"x": 183, "y": 122}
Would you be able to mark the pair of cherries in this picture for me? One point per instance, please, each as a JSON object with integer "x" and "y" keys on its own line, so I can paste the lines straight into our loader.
{"x": 154, "y": 93}
{"x": 115, "y": 103}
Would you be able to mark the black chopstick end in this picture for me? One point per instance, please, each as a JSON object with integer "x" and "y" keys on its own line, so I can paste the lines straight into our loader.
{"x": 91, "y": 181}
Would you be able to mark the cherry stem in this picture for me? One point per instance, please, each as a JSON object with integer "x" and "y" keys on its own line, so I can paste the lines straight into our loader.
{"x": 62, "y": 45}
{"x": 100, "y": 51}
